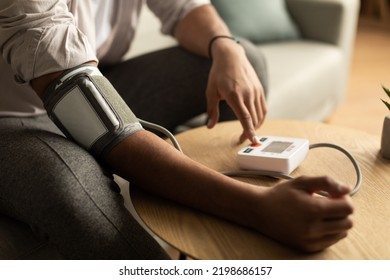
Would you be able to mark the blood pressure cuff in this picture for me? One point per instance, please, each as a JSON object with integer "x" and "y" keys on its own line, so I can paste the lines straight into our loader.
{"x": 86, "y": 108}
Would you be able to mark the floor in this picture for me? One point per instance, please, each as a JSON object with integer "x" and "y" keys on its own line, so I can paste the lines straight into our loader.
{"x": 370, "y": 69}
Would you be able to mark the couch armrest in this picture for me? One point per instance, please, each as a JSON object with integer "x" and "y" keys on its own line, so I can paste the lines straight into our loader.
{"x": 330, "y": 21}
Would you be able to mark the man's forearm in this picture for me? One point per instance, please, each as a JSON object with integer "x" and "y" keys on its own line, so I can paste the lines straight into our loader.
{"x": 195, "y": 30}
{"x": 152, "y": 164}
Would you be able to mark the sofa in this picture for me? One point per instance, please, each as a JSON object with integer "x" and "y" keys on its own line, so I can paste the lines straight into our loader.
{"x": 308, "y": 76}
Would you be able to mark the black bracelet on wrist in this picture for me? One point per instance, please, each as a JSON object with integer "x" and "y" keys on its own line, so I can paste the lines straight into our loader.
{"x": 219, "y": 37}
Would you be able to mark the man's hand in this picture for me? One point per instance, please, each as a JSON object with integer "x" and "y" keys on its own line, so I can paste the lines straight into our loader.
{"x": 233, "y": 79}
{"x": 298, "y": 217}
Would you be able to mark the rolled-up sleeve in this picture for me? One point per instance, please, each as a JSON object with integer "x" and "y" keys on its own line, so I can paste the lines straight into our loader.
{"x": 38, "y": 37}
{"x": 170, "y": 12}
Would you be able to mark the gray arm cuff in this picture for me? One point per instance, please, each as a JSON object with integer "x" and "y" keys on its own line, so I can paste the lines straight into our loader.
{"x": 88, "y": 109}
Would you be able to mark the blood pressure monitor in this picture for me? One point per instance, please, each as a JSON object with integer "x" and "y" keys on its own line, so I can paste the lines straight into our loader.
{"x": 275, "y": 154}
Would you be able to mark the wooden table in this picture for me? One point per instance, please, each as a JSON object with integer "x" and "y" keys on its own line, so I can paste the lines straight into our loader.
{"x": 203, "y": 236}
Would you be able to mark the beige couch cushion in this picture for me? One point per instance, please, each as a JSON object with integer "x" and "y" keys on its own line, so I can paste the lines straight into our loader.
{"x": 305, "y": 79}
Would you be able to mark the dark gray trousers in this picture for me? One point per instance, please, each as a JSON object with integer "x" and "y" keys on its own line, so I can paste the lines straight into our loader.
{"x": 64, "y": 194}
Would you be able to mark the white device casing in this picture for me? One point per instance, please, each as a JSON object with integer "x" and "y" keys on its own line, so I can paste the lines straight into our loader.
{"x": 275, "y": 154}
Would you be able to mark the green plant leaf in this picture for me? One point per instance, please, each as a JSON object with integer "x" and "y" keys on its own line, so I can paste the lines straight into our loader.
{"x": 386, "y": 103}
{"x": 387, "y": 91}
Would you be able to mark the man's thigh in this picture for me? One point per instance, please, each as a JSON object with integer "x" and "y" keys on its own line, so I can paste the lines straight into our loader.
{"x": 65, "y": 195}
{"x": 168, "y": 86}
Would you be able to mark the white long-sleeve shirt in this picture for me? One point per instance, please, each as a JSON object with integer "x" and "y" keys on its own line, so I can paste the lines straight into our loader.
{"x": 41, "y": 37}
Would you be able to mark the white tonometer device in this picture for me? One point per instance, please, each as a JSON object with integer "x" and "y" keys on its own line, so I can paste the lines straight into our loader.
{"x": 275, "y": 154}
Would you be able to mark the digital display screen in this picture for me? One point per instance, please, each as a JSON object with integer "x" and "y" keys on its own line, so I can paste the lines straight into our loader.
{"x": 277, "y": 147}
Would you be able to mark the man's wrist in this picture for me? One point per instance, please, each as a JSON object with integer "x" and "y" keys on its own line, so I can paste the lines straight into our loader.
{"x": 215, "y": 39}
{"x": 223, "y": 46}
